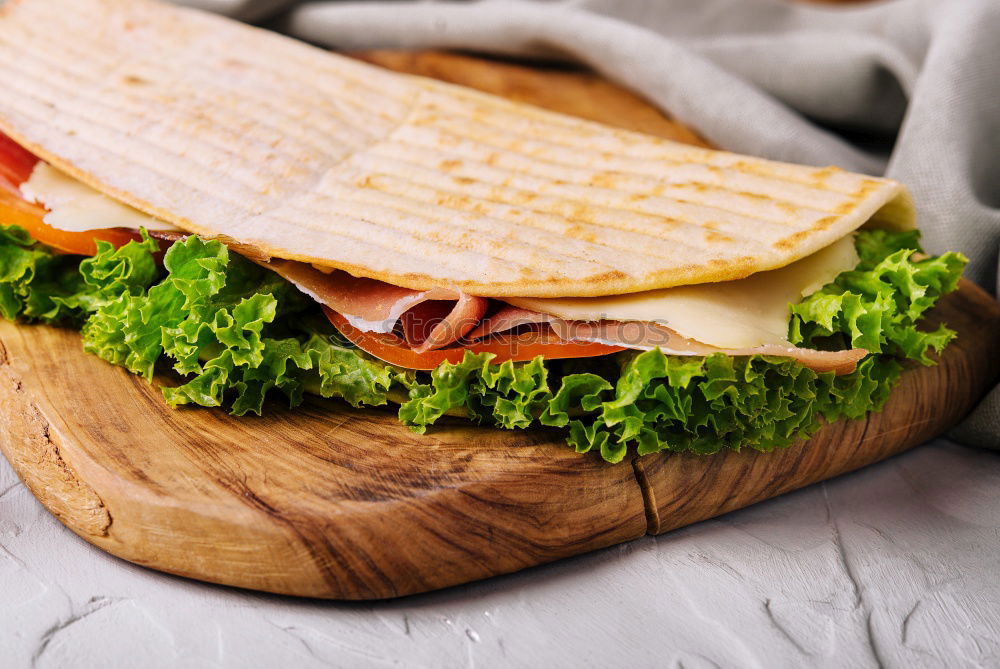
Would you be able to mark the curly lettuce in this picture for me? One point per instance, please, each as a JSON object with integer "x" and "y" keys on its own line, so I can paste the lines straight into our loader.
{"x": 658, "y": 402}
{"x": 877, "y": 305}
{"x": 34, "y": 281}
{"x": 232, "y": 332}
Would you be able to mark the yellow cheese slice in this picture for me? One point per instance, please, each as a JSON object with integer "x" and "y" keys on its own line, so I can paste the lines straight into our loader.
{"x": 744, "y": 313}
{"x": 76, "y": 207}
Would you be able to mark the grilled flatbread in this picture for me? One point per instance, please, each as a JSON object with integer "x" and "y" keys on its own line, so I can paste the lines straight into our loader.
{"x": 236, "y": 133}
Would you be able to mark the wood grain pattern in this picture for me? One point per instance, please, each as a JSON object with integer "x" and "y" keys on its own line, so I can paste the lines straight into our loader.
{"x": 325, "y": 500}
{"x": 330, "y": 501}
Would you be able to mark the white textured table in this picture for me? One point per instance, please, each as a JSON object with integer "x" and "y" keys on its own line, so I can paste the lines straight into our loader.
{"x": 897, "y": 565}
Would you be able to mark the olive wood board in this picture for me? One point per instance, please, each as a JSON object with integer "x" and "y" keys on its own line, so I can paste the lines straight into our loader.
{"x": 330, "y": 501}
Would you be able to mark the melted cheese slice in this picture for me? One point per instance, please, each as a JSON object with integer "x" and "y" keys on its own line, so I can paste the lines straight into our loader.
{"x": 745, "y": 313}
{"x": 76, "y": 207}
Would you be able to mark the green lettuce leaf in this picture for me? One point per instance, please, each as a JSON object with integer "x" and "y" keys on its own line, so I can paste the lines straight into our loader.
{"x": 232, "y": 332}
{"x": 34, "y": 281}
{"x": 878, "y": 305}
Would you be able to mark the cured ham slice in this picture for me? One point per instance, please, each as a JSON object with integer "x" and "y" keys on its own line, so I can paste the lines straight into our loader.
{"x": 838, "y": 362}
{"x": 504, "y": 347}
{"x": 434, "y": 324}
{"x": 440, "y": 317}
{"x": 16, "y": 164}
{"x": 509, "y": 318}
{"x": 647, "y": 335}
{"x": 375, "y": 306}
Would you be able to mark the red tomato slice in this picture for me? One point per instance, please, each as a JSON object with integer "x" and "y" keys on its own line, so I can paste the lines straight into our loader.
{"x": 506, "y": 346}
{"x": 16, "y": 164}
{"x": 14, "y": 209}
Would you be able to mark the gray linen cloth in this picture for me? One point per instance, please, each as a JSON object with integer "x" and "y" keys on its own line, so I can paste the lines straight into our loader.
{"x": 905, "y": 88}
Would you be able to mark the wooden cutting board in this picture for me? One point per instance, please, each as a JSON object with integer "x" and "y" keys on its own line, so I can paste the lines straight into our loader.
{"x": 330, "y": 501}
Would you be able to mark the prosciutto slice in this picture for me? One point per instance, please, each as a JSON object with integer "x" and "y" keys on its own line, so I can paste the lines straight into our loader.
{"x": 436, "y": 318}
{"x": 371, "y": 305}
{"x": 646, "y": 336}
{"x": 508, "y": 318}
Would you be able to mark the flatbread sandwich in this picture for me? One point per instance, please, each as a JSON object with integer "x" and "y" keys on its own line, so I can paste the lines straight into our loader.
{"x": 256, "y": 217}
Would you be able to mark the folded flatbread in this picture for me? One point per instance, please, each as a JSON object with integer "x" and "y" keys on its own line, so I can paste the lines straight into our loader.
{"x": 702, "y": 298}
{"x": 232, "y": 132}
